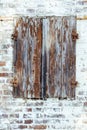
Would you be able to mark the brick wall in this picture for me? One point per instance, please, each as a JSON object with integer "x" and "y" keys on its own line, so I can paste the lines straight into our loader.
{"x": 52, "y": 114}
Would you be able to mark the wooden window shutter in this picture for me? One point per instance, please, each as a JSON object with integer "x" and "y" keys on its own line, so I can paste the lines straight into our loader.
{"x": 44, "y": 57}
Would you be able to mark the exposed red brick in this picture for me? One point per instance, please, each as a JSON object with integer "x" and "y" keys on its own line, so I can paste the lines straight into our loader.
{"x": 28, "y": 121}
{"x": 38, "y": 127}
{"x": 6, "y": 74}
{"x": 29, "y": 109}
{"x": 22, "y": 126}
{"x": 2, "y": 63}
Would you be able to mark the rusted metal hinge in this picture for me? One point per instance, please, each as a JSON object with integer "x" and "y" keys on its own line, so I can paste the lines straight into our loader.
{"x": 74, "y": 83}
{"x": 74, "y": 35}
{"x": 14, "y": 82}
{"x": 14, "y": 36}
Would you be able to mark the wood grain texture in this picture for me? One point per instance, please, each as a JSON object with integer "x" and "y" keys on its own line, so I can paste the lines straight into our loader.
{"x": 68, "y": 57}
{"x": 52, "y": 28}
{"x": 45, "y": 57}
{"x": 34, "y": 57}
{"x": 27, "y": 57}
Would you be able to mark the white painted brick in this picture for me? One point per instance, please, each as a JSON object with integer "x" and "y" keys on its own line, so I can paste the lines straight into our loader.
{"x": 73, "y": 113}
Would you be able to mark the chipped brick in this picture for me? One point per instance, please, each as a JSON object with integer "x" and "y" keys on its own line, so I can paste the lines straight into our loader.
{"x": 22, "y": 126}
{"x": 28, "y": 121}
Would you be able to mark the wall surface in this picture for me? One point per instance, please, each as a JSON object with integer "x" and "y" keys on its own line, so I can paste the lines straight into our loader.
{"x": 52, "y": 114}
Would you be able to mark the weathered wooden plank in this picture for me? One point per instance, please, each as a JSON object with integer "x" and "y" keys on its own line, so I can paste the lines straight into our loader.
{"x": 37, "y": 83}
{"x": 59, "y": 49}
{"x": 65, "y": 44}
{"x": 27, "y": 57}
{"x": 68, "y": 57}
{"x": 17, "y": 59}
{"x": 72, "y": 60}
{"x": 58, "y": 46}
{"x": 34, "y": 57}
{"x": 53, "y": 54}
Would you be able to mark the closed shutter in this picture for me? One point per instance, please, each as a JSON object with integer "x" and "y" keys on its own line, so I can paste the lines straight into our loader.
{"x": 45, "y": 57}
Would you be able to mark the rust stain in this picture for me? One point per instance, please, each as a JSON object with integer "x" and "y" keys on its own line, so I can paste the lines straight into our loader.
{"x": 19, "y": 63}
{"x": 74, "y": 35}
{"x": 73, "y": 83}
{"x": 14, "y": 82}
{"x": 72, "y": 60}
{"x": 52, "y": 91}
{"x": 36, "y": 31}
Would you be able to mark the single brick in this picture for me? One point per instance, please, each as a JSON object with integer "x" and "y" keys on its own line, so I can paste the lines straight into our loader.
{"x": 6, "y": 46}
{"x": 22, "y": 126}
{"x": 29, "y": 109}
{"x": 38, "y": 127}
{"x": 5, "y": 115}
{"x": 28, "y": 121}
{"x": 2, "y": 81}
{"x": 19, "y": 121}
{"x": 6, "y": 74}
{"x": 27, "y": 115}
{"x": 2, "y": 63}
{"x": 14, "y": 115}
{"x": 39, "y": 103}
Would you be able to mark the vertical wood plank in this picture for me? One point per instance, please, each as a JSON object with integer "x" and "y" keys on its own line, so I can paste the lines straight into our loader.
{"x": 72, "y": 58}
{"x": 65, "y": 46}
{"x": 53, "y": 51}
{"x": 68, "y": 57}
{"x": 34, "y": 57}
{"x": 60, "y": 69}
{"x": 28, "y": 57}
{"x": 18, "y": 62}
{"x": 58, "y": 75}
